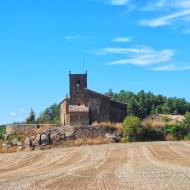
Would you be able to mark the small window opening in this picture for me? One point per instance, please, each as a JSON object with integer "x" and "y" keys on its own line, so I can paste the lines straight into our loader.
{"x": 78, "y": 86}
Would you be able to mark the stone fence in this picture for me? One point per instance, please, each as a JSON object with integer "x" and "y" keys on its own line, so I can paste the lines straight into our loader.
{"x": 20, "y": 128}
{"x": 37, "y": 135}
{"x": 84, "y": 131}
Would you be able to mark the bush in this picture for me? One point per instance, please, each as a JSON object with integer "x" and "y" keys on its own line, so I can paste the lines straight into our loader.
{"x": 153, "y": 134}
{"x": 2, "y": 131}
{"x": 170, "y": 137}
{"x": 186, "y": 121}
{"x": 132, "y": 128}
{"x": 185, "y": 124}
{"x": 125, "y": 140}
{"x": 17, "y": 137}
{"x": 166, "y": 119}
{"x": 187, "y": 137}
{"x": 173, "y": 131}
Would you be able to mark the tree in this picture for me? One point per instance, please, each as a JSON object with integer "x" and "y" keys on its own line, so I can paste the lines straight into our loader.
{"x": 132, "y": 107}
{"x": 109, "y": 93}
{"x": 144, "y": 104}
{"x": 50, "y": 115}
{"x": 186, "y": 121}
{"x": 2, "y": 131}
{"x": 133, "y": 128}
{"x": 31, "y": 118}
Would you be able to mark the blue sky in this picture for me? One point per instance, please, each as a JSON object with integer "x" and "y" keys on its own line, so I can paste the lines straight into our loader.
{"x": 124, "y": 44}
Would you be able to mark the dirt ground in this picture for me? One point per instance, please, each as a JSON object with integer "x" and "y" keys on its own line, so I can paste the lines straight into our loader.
{"x": 133, "y": 166}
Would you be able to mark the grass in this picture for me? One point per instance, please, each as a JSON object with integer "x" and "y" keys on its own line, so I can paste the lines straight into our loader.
{"x": 117, "y": 126}
{"x": 90, "y": 141}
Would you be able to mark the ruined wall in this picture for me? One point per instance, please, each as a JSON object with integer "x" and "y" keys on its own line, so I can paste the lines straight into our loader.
{"x": 99, "y": 107}
{"x": 118, "y": 111}
{"x": 26, "y": 128}
{"x": 60, "y": 132}
{"x": 64, "y": 116}
{"x": 79, "y": 118}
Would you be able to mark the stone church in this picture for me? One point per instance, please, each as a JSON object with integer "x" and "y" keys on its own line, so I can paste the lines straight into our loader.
{"x": 85, "y": 106}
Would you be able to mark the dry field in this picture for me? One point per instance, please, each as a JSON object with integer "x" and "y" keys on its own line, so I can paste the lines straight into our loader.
{"x": 135, "y": 166}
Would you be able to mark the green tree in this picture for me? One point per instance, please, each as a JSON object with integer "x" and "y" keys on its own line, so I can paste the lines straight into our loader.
{"x": 31, "y": 118}
{"x": 133, "y": 128}
{"x": 144, "y": 104}
{"x": 133, "y": 107}
{"x": 186, "y": 121}
{"x": 110, "y": 93}
{"x": 2, "y": 131}
{"x": 51, "y": 115}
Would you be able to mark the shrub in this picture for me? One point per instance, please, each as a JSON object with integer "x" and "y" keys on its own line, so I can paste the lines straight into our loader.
{"x": 170, "y": 137}
{"x": 172, "y": 130}
{"x": 153, "y": 134}
{"x": 166, "y": 119}
{"x": 109, "y": 125}
{"x": 186, "y": 121}
{"x": 187, "y": 137}
{"x": 132, "y": 128}
{"x": 17, "y": 137}
{"x": 2, "y": 131}
{"x": 125, "y": 139}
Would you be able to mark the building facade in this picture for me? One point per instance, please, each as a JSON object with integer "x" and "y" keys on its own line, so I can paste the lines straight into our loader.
{"x": 85, "y": 106}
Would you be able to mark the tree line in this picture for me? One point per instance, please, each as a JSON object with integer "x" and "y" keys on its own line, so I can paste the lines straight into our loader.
{"x": 144, "y": 104}
{"x": 141, "y": 104}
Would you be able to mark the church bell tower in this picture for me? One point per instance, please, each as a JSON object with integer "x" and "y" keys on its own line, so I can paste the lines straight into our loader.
{"x": 78, "y": 84}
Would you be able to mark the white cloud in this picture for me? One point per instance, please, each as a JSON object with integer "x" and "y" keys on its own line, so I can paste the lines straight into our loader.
{"x": 117, "y": 2}
{"x": 171, "y": 68}
{"x": 13, "y": 114}
{"x": 75, "y": 37}
{"x": 183, "y": 3}
{"x": 165, "y": 20}
{"x": 155, "y": 5}
{"x": 142, "y": 56}
{"x": 121, "y": 39}
{"x": 173, "y": 12}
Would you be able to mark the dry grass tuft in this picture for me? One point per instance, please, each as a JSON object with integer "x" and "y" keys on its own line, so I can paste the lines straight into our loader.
{"x": 118, "y": 126}
{"x": 90, "y": 141}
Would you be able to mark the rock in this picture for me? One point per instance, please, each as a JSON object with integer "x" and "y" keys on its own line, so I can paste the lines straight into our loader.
{"x": 28, "y": 143}
{"x": 37, "y": 140}
{"x": 45, "y": 140}
{"x": 32, "y": 137}
{"x": 6, "y": 137}
{"x": 14, "y": 142}
{"x": 69, "y": 135}
{"x": 111, "y": 137}
{"x": 54, "y": 137}
{"x": 19, "y": 143}
{"x": 6, "y": 145}
{"x": 19, "y": 148}
{"x": 62, "y": 136}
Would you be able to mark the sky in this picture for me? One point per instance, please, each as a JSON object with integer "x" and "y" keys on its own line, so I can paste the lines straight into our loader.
{"x": 123, "y": 44}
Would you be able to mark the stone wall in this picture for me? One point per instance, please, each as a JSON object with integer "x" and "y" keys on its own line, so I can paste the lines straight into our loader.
{"x": 84, "y": 131}
{"x": 35, "y": 137}
{"x": 24, "y": 128}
